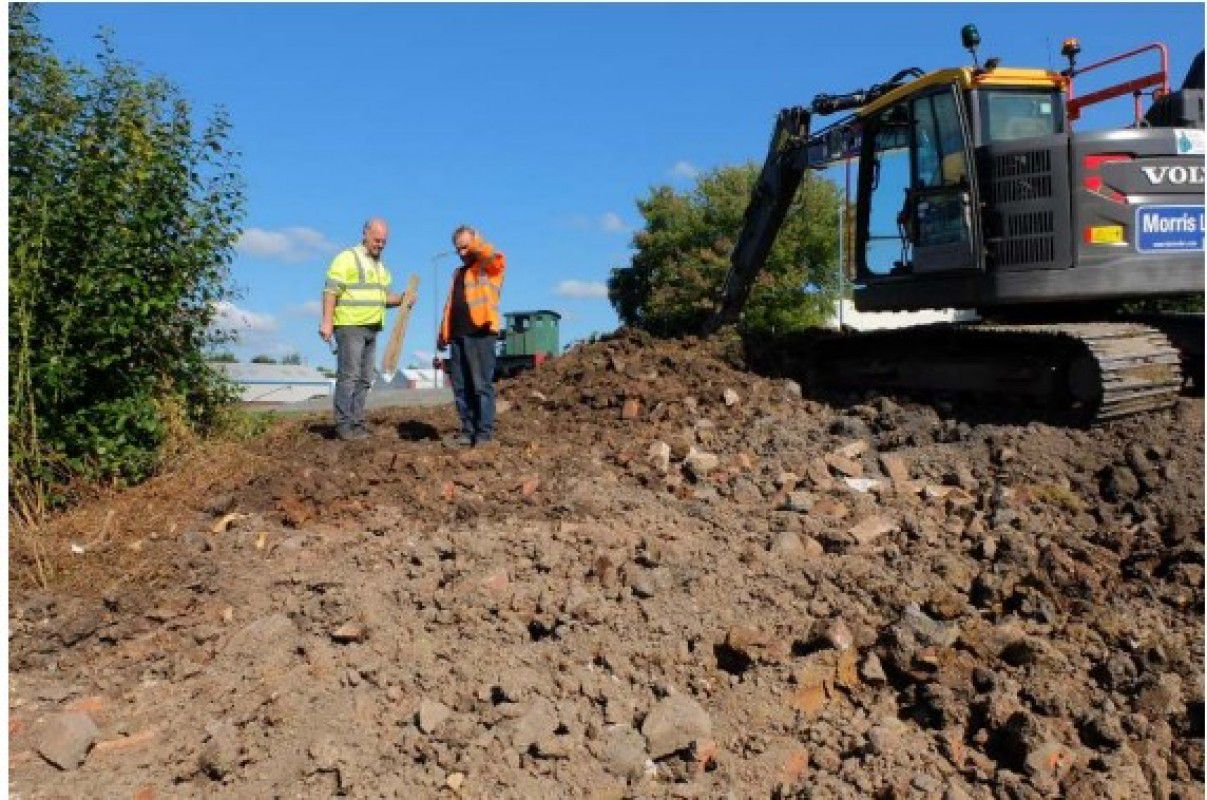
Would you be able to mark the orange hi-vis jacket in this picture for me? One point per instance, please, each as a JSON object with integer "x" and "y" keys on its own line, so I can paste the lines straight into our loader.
{"x": 483, "y": 286}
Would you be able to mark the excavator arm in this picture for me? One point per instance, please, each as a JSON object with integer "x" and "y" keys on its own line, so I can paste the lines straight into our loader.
{"x": 773, "y": 193}
{"x": 793, "y": 149}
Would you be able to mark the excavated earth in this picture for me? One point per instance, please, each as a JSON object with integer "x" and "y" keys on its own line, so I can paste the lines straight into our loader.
{"x": 670, "y": 578}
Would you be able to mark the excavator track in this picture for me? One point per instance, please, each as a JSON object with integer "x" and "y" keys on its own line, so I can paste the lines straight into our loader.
{"x": 1093, "y": 371}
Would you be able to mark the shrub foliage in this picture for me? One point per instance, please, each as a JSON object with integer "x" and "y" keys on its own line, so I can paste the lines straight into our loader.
{"x": 122, "y": 220}
{"x": 682, "y": 255}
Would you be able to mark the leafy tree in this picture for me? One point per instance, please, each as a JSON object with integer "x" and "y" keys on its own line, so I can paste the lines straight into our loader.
{"x": 225, "y": 357}
{"x": 674, "y": 279}
{"x": 292, "y": 358}
{"x": 122, "y": 221}
{"x": 263, "y": 359}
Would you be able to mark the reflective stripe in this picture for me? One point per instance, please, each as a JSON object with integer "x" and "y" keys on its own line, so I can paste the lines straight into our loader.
{"x": 347, "y": 302}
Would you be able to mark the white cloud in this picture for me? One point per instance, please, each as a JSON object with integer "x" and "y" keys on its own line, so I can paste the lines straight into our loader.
{"x": 608, "y": 222}
{"x": 229, "y": 317}
{"x": 582, "y": 290}
{"x": 684, "y": 170}
{"x": 291, "y": 245}
{"x": 311, "y": 308}
{"x": 612, "y": 223}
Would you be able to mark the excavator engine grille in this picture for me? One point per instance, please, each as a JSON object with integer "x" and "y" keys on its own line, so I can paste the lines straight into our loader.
{"x": 1022, "y": 188}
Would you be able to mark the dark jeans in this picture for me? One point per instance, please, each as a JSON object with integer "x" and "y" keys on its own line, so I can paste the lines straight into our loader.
{"x": 356, "y": 351}
{"x": 472, "y": 369}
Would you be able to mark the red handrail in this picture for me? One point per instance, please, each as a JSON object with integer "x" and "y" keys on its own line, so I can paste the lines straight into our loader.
{"x": 1133, "y": 87}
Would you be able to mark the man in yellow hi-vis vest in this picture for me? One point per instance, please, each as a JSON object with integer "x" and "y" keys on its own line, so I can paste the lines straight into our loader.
{"x": 470, "y": 329}
{"x": 355, "y": 297}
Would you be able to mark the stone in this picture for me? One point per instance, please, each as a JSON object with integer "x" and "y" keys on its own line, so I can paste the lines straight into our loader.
{"x": 730, "y": 397}
{"x": 799, "y": 501}
{"x": 829, "y": 507}
{"x": 812, "y": 547}
{"x": 537, "y": 723}
{"x": 843, "y": 465}
{"x": 220, "y": 755}
{"x": 746, "y": 493}
{"x": 787, "y": 544}
{"x": 431, "y": 715}
{"x": 838, "y": 635}
{"x": 1119, "y": 483}
{"x": 66, "y": 739}
{"x": 673, "y": 724}
{"x": 631, "y": 409}
{"x": 699, "y": 463}
{"x": 623, "y": 753}
{"x": 324, "y": 754}
{"x": 818, "y": 473}
{"x": 786, "y": 480}
{"x": 853, "y": 449}
{"x": 349, "y": 632}
{"x": 896, "y": 469}
{"x": 659, "y": 457}
{"x": 871, "y": 528}
{"x": 455, "y": 781}
{"x": 1050, "y": 760}
{"x": 872, "y": 671}
{"x": 883, "y": 738}
{"x": 928, "y": 631}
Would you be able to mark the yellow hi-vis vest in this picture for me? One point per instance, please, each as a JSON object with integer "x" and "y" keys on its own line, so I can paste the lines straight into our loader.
{"x": 359, "y": 284}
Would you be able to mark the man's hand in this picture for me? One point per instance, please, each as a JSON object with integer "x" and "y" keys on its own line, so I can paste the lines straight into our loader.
{"x": 326, "y": 331}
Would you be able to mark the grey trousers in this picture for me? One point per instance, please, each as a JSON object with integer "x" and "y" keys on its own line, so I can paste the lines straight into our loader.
{"x": 355, "y": 356}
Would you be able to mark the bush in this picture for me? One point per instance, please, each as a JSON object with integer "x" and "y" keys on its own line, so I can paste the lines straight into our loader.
{"x": 682, "y": 255}
{"x": 122, "y": 223}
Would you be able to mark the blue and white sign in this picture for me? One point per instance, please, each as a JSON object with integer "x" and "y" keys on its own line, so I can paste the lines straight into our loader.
{"x": 1164, "y": 229}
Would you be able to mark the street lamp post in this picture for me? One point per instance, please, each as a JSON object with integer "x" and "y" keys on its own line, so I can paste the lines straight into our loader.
{"x": 436, "y": 259}
{"x": 841, "y": 265}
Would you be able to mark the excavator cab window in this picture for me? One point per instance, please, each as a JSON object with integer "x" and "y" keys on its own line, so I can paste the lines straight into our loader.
{"x": 1009, "y": 114}
{"x": 938, "y": 205}
{"x": 918, "y": 215}
{"x": 888, "y": 175}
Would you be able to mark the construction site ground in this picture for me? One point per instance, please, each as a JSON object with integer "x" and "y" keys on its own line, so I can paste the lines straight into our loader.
{"x": 670, "y": 577}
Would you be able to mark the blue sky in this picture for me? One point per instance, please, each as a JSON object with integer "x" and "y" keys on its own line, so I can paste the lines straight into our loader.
{"x": 540, "y": 124}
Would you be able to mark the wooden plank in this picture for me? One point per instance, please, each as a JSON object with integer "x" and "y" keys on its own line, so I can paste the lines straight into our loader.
{"x": 389, "y": 361}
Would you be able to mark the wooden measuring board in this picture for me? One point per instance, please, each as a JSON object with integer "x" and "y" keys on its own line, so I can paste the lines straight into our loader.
{"x": 389, "y": 361}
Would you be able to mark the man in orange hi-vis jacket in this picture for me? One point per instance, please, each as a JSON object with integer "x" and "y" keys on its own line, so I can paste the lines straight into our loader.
{"x": 470, "y": 329}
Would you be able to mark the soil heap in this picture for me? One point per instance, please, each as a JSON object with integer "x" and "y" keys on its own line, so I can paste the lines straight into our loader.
{"x": 670, "y": 578}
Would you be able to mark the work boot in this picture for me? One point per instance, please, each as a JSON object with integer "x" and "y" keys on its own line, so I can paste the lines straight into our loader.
{"x": 459, "y": 440}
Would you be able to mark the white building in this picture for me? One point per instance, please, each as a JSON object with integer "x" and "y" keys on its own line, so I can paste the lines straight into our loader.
{"x": 277, "y": 383}
{"x": 417, "y": 379}
{"x": 847, "y": 316}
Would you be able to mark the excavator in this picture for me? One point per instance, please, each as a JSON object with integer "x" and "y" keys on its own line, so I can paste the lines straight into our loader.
{"x": 974, "y": 191}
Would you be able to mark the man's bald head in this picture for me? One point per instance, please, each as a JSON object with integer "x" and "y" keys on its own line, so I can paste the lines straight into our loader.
{"x": 374, "y": 235}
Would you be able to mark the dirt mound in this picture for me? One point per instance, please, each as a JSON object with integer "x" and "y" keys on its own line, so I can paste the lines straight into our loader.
{"x": 670, "y": 577}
